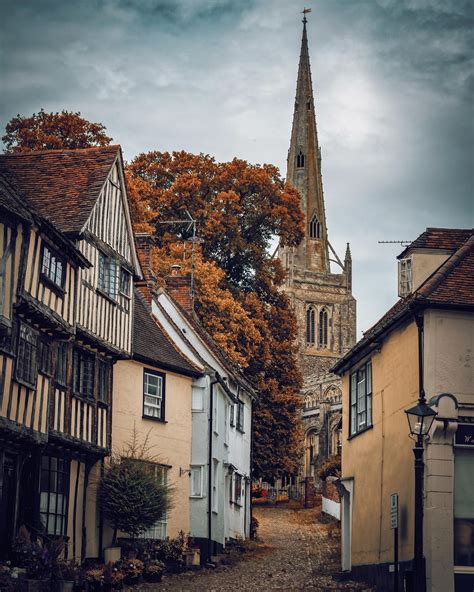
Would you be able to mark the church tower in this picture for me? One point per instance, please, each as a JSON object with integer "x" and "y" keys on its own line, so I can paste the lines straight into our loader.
{"x": 322, "y": 299}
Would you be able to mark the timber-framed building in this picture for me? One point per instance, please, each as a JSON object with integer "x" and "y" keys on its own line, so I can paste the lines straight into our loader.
{"x": 67, "y": 263}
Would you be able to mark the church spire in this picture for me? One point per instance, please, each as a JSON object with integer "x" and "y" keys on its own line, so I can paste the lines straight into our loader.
{"x": 304, "y": 169}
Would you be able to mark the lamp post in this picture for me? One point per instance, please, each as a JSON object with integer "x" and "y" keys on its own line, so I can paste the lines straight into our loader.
{"x": 420, "y": 418}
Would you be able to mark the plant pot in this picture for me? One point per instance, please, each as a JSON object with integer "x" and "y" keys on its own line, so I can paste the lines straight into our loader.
{"x": 36, "y": 585}
{"x": 112, "y": 554}
{"x": 65, "y": 586}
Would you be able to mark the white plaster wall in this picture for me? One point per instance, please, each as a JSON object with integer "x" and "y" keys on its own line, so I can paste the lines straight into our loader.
{"x": 331, "y": 507}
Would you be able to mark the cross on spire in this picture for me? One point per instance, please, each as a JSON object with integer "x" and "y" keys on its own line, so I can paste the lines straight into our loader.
{"x": 304, "y": 13}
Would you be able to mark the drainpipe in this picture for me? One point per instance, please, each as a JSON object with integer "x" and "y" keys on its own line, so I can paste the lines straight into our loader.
{"x": 209, "y": 472}
{"x": 251, "y": 467}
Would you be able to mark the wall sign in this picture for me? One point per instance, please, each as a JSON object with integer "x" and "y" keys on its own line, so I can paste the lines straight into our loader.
{"x": 464, "y": 435}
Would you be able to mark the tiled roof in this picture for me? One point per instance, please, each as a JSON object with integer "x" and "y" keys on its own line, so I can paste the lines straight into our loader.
{"x": 10, "y": 201}
{"x": 151, "y": 344}
{"x": 451, "y": 285}
{"x": 61, "y": 185}
{"x": 439, "y": 238}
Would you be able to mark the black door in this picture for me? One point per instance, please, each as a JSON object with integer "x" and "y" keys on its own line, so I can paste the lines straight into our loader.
{"x": 8, "y": 478}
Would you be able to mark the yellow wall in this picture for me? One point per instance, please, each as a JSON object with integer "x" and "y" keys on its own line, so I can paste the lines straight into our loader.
{"x": 171, "y": 441}
{"x": 381, "y": 460}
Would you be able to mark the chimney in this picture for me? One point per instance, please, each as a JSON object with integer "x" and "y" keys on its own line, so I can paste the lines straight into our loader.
{"x": 144, "y": 243}
{"x": 179, "y": 288}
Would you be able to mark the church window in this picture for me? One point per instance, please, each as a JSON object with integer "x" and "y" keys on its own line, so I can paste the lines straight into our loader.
{"x": 323, "y": 328}
{"x": 314, "y": 227}
{"x": 300, "y": 160}
{"x": 310, "y": 326}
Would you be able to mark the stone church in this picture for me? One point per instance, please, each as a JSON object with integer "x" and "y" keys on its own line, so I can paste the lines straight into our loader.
{"x": 322, "y": 298}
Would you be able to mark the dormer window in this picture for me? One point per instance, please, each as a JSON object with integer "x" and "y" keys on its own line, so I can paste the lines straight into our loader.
{"x": 314, "y": 227}
{"x": 300, "y": 160}
{"x": 405, "y": 277}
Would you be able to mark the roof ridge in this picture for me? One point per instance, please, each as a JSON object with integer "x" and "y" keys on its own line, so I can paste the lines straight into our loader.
{"x": 59, "y": 150}
{"x": 440, "y": 274}
{"x": 164, "y": 332}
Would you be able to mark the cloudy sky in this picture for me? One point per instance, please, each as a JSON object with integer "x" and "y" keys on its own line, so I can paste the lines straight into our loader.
{"x": 393, "y": 86}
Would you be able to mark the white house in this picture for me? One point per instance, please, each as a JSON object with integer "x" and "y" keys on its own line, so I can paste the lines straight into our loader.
{"x": 221, "y": 440}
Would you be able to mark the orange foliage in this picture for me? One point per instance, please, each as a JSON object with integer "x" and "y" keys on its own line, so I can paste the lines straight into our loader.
{"x": 51, "y": 131}
{"x": 239, "y": 208}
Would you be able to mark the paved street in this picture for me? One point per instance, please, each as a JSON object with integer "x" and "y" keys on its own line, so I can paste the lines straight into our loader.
{"x": 295, "y": 552}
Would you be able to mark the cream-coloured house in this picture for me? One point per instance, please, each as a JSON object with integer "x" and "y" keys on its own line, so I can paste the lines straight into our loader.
{"x": 152, "y": 396}
{"x": 435, "y": 316}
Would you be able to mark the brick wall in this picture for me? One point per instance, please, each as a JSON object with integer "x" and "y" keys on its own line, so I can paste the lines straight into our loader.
{"x": 179, "y": 287}
{"x": 330, "y": 491}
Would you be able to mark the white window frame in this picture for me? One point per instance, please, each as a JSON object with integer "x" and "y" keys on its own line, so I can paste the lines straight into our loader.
{"x": 108, "y": 276}
{"x": 215, "y": 412}
{"x": 196, "y": 468}
{"x": 161, "y": 396}
{"x": 360, "y": 398}
{"x": 160, "y": 529}
{"x": 215, "y": 486}
{"x": 405, "y": 277}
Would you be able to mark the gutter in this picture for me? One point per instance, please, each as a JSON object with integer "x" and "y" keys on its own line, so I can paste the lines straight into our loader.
{"x": 209, "y": 471}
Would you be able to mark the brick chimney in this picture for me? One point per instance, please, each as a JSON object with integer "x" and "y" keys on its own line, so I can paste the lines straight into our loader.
{"x": 144, "y": 243}
{"x": 178, "y": 287}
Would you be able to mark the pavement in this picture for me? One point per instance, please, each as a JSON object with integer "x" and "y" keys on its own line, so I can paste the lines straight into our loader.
{"x": 294, "y": 551}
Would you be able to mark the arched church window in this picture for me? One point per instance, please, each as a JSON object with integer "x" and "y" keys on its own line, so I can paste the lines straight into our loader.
{"x": 314, "y": 227}
{"x": 300, "y": 160}
{"x": 323, "y": 328}
{"x": 310, "y": 326}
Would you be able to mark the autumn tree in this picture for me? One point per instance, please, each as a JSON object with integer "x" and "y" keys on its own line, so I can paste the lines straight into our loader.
{"x": 239, "y": 208}
{"x": 50, "y": 131}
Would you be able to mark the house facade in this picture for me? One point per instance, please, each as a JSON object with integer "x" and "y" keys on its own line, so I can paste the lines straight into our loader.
{"x": 67, "y": 284}
{"x": 322, "y": 299}
{"x": 221, "y": 407}
{"x": 152, "y": 402}
{"x": 430, "y": 328}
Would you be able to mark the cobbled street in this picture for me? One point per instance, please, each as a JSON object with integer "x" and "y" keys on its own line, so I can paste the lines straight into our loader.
{"x": 294, "y": 552}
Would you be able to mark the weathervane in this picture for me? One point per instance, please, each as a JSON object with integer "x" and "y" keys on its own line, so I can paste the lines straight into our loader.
{"x": 305, "y": 12}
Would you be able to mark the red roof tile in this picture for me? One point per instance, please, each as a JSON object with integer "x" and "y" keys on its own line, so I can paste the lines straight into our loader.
{"x": 439, "y": 238}
{"x": 61, "y": 185}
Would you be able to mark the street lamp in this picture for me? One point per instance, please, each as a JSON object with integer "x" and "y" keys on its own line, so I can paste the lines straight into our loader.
{"x": 420, "y": 418}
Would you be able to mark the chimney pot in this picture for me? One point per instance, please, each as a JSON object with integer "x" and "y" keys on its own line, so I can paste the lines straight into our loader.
{"x": 175, "y": 270}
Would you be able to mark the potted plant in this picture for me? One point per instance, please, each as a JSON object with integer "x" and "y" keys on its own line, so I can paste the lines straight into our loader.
{"x": 66, "y": 574}
{"x": 131, "y": 498}
{"x": 154, "y": 570}
{"x": 114, "y": 576}
{"x": 95, "y": 578}
{"x": 133, "y": 570}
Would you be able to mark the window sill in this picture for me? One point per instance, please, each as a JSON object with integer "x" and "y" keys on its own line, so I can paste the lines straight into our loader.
{"x": 241, "y": 430}
{"x": 196, "y": 497}
{"x": 26, "y": 383}
{"x": 158, "y": 419}
{"x": 366, "y": 429}
{"x": 106, "y": 296}
{"x": 58, "y": 290}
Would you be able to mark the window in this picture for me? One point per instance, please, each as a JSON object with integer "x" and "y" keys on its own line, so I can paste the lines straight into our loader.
{"x": 83, "y": 374}
{"x": 52, "y": 267}
{"x": 361, "y": 399}
{"x": 240, "y": 416}
{"x": 215, "y": 481}
{"x": 102, "y": 387}
{"x": 463, "y": 508}
{"x": 153, "y": 395}
{"x": 215, "y": 413}
{"x": 196, "y": 481}
{"x": 61, "y": 363}
{"x": 108, "y": 270}
{"x": 314, "y": 227}
{"x": 405, "y": 283}
{"x": 198, "y": 398}
{"x": 300, "y": 160}
{"x": 54, "y": 489}
{"x": 26, "y": 359}
{"x": 237, "y": 488}
{"x": 124, "y": 282}
{"x": 310, "y": 329}
{"x": 232, "y": 415}
{"x": 158, "y": 530}
{"x": 323, "y": 328}
{"x": 44, "y": 356}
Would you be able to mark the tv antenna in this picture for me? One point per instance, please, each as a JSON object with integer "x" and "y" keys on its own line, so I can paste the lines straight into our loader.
{"x": 404, "y": 243}
{"x": 190, "y": 224}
